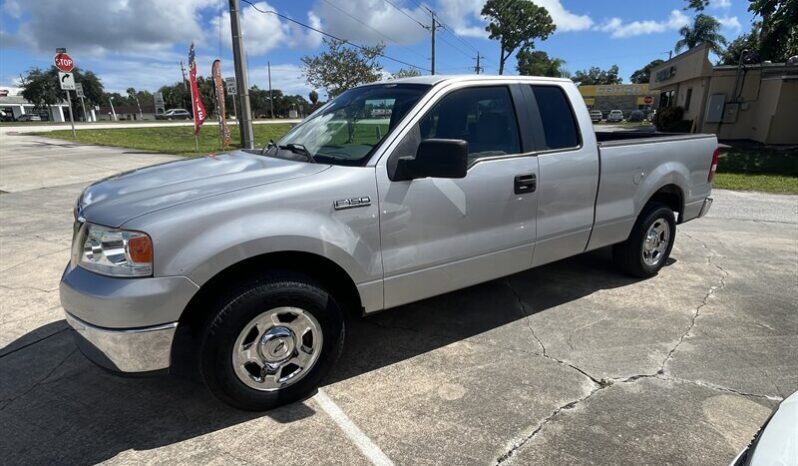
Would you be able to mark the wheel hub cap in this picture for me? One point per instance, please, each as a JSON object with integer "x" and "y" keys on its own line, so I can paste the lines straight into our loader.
{"x": 656, "y": 242}
{"x": 277, "y": 348}
{"x": 277, "y": 344}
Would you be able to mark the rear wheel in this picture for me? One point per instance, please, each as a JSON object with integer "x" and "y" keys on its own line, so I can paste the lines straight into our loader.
{"x": 271, "y": 343}
{"x": 649, "y": 245}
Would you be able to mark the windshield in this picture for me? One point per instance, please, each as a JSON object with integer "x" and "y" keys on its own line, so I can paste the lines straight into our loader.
{"x": 348, "y": 129}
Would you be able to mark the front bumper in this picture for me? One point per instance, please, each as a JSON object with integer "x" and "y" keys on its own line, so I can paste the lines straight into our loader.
{"x": 137, "y": 350}
{"x": 125, "y": 324}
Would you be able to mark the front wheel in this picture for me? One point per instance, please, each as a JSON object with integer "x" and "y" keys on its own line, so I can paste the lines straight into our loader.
{"x": 647, "y": 249}
{"x": 272, "y": 343}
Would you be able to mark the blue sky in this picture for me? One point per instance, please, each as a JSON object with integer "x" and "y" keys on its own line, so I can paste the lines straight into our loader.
{"x": 138, "y": 43}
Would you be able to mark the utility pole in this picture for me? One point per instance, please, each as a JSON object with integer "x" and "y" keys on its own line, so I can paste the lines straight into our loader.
{"x": 113, "y": 112}
{"x": 271, "y": 99}
{"x": 478, "y": 68}
{"x": 433, "y": 28}
{"x": 183, "y": 71}
{"x": 245, "y": 124}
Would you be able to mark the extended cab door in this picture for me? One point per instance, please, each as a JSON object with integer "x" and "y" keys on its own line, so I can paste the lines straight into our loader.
{"x": 568, "y": 170}
{"x": 438, "y": 235}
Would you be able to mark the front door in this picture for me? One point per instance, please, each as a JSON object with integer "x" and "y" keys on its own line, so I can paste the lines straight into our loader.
{"x": 439, "y": 235}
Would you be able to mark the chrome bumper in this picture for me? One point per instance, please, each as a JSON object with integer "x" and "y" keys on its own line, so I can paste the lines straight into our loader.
{"x": 137, "y": 350}
{"x": 705, "y": 208}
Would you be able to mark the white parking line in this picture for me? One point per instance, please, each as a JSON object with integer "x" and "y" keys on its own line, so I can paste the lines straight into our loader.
{"x": 366, "y": 446}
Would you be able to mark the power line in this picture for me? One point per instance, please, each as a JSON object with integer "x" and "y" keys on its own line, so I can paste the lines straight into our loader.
{"x": 370, "y": 27}
{"x": 327, "y": 34}
{"x": 389, "y": 2}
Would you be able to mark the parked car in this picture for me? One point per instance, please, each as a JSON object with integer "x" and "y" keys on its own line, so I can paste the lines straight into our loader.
{"x": 243, "y": 265}
{"x": 615, "y": 116}
{"x": 596, "y": 116}
{"x": 6, "y": 116}
{"x": 636, "y": 116}
{"x": 29, "y": 117}
{"x": 174, "y": 114}
{"x": 776, "y": 442}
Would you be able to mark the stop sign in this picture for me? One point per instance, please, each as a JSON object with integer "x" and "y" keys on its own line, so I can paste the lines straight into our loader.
{"x": 64, "y": 62}
{"x": 648, "y": 100}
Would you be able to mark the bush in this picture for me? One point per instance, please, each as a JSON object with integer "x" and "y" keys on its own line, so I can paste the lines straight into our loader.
{"x": 670, "y": 119}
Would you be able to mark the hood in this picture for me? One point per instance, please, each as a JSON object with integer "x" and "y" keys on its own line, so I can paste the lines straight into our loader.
{"x": 117, "y": 199}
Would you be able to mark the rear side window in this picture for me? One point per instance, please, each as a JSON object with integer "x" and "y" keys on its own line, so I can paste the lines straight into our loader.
{"x": 556, "y": 117}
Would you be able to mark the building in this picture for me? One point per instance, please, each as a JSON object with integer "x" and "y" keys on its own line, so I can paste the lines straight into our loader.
{"x": 16, "y": 105}
{"x": 757, "y": 102}
{"x": 126, "y": 112}
{"x": 626, "y": 97}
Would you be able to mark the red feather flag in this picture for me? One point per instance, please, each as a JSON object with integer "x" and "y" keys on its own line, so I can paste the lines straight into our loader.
{"x": 196, "y": 99}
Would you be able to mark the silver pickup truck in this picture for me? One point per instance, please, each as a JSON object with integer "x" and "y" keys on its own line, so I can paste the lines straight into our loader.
{"x": 244, "y": 266}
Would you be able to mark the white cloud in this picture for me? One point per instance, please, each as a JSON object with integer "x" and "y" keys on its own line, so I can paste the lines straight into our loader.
{"x": 720, "y": 4}
{"x": 731, "y": 23}
{"x": 618, "y": 29}
{"x": 461, "y": 15}
{"x": 376, "y": 21}
{"x": 94, "y": 28}
{"x": 264, "y": 32}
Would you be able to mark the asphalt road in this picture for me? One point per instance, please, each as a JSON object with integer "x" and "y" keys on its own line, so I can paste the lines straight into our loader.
{"x": 38, "y": 127}
{"x": 571, "y": 363}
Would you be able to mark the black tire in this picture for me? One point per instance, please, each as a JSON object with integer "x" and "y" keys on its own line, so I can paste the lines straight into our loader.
{"x": 241, "y": 307}
{"x": 629, "y": 254}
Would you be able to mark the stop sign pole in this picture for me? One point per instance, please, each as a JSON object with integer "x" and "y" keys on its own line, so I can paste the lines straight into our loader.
{"x": 65, "y": 65}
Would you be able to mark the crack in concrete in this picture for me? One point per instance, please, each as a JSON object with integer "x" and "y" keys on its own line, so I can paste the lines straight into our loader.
{"x": 712, "y": 290}
{"x": 7, "y": 402}
{"x": 2, "y": 355}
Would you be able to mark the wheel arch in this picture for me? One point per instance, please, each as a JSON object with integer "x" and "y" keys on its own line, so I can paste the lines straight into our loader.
{"x": 670, "y": 195}
{"x": 329, "y": 274}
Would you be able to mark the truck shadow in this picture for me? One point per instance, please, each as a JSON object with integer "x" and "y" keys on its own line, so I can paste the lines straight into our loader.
{"x": 56, "y": 407}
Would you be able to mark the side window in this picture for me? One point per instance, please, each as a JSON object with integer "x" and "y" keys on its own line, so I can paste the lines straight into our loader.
{"x": 484, "y": 117}
{"x": 556, "y": 117}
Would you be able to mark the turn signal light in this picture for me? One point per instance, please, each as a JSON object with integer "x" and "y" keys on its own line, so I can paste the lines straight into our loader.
{"x": 714, "y": 167}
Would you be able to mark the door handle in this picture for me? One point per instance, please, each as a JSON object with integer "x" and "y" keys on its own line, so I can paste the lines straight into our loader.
{"x": 525, "y": 183}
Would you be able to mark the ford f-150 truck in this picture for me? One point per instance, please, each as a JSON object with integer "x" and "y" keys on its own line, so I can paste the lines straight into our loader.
{"x": 244, "y": 265}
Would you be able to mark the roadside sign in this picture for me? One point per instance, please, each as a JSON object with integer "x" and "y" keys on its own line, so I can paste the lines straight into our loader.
{"x": 60, "y": 50}
{"x": 160, "y": 106}
{"x": 79, "y": 90}
{"x": 230, "y": 86}
{"x": 66, "y": 80}
{"x": 648, "y": 100}
{"x": 64, "y": 62}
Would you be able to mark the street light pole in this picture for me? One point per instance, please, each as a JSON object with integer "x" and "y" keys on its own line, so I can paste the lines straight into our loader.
{"x": 111, "y": 101}
{"x": 245, "y": 123}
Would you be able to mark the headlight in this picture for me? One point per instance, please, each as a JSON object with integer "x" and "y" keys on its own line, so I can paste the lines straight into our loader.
{"x": 108, "y": 251}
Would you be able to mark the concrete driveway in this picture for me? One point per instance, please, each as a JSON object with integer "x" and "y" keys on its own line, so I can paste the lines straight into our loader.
{"x": 571, "y": 363}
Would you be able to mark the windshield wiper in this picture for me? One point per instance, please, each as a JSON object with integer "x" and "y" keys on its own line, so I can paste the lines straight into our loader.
{"x": 299, "y": 149}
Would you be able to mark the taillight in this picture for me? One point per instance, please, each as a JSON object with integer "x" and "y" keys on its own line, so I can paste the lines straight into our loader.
{"x": 714, "y": 167}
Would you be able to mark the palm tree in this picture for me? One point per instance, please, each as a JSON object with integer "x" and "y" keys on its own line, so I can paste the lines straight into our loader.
{"x": 704, "y": 31}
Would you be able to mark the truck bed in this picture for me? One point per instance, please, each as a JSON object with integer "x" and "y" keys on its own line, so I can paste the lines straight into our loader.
{"x": 616, "y": 138}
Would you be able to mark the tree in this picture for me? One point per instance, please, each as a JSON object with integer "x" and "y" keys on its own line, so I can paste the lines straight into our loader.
{"x": 643, "y": 75}
{"x": 779, "y": 34}
{"x": 596, "y": 76}
{"x": 516, "y": 24}
{"x": 697, "y": 5}
{"x": 342, "y": 67}
{"x": 705, "y": 30}
{"x": 406, "y": 73}
{"x": 537, "y": 63}
{"x": 41, "y": 88}
{"x": 746, "y": 42}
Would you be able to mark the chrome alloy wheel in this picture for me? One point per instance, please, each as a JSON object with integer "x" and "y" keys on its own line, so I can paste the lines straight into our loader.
{"x": 656, "y": 241}
{"x": 277, "y": 348}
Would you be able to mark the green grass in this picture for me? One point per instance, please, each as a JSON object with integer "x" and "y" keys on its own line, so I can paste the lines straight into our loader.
{"x": 757, "y": 168}
{"x": 170, "y": 139}
{"x": 763, "y": 183}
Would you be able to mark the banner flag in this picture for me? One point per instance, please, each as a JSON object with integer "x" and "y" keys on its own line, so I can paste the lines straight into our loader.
{"x": 196, "y": 99}
{"x": 218, "y": 86}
